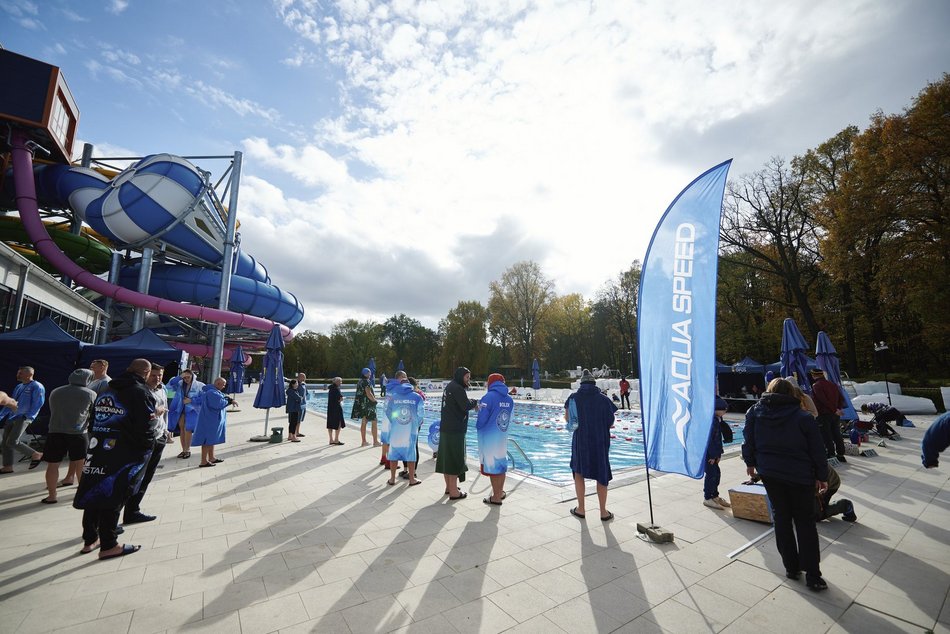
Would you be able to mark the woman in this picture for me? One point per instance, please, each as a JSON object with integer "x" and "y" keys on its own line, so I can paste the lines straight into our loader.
{"x": 783, "y": 443}
{"x": 364, "y": 407}
{"x": 183, "y": 411}
{"x": 293, "y": 407}
{"x": 494, "y": 416}
{"x": 335, "y": 411}
{"x": 590, "y": 413}
{"x": 404, "y": 474}
{"x": 451, "y": 457}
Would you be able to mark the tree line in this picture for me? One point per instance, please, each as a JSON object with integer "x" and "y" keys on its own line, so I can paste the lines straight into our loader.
{"x": 850, "y": 237}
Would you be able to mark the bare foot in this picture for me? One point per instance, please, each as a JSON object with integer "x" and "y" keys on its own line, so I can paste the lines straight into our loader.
{"x": 88, "y": 548}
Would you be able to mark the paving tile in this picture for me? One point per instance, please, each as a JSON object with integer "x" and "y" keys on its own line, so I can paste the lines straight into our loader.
{"x": 522, "y": 601}
{"x": 379, "y": 615}
{"x": 859, "y": 618}
{"x": 159, "y": 617}
{"x": 480, "y": 615}
{"x": 331, "y": 597}
{"x": 233, "y": 597}
{"x": 115, "y": 624}
{"x": 470, "y": 585}
{"x": 332, "y": 622}
{"x": 578, "y": 615}
{"x": 716, "y": 608}
{"x": 273, "y": 614}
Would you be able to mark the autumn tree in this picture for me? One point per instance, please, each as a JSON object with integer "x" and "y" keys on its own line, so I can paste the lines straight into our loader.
{"x": 568, "y": 338}
{"x": 617, "y": 301}
{"x": 464, "y": 338}
{"x": 352, "y": 343}
{"x": 518, "y": 304}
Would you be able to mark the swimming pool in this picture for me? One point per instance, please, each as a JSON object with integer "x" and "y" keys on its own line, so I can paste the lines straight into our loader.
{"x": 539, "y": 429}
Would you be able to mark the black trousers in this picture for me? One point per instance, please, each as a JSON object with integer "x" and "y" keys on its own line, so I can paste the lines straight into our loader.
{"x": 793, "y": 508}
{"x": 133, "y": 505}
{"x": 100, "y": 524}
{"x": 293, "y": 421}
{"x": 831, "y": 434}
{"x": 625, "y": 398}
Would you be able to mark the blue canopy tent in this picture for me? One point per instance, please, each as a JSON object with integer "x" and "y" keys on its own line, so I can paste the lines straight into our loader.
{"x": 827, "y": 359}
{"x": 794, "y": 362}
{"x": 236, "y": 371}
{"x": 271, "y": 391}
{"x": 749, "y": 364}
{"x": 143, "y": 344}
{"x": 722, "y": 367}
{"x": 536, "y": 375}
{"x": 47, "y": 348}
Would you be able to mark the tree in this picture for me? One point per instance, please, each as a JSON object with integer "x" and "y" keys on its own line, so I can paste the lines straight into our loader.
{"x": 411, "y": 342}
{"x": 307, "y": 353}
{"x": 518, "y": 304}
{"x": 352, "y": 343}
{"x": 568, "y": 340}
{"x": 463, "y": 334}
{"x": 617, "y": 300}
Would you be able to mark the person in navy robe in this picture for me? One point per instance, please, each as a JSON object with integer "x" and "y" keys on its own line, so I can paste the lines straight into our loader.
{"x": 404, "y": 411}
{"x": 494, "y": 416}
{"x": 209, "y": 429}
{"x": 590, "y": 413}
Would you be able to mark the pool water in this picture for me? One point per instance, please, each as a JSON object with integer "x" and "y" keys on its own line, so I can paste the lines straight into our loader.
{"x": 539, "y": 430}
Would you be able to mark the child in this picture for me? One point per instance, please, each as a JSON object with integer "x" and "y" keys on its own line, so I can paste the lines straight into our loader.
{"x": 713, "y": 454}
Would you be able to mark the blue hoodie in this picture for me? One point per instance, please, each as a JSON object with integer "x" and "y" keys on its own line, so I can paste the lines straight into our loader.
{"x": 494, "y": 416}
{"x": 935, "y": 440}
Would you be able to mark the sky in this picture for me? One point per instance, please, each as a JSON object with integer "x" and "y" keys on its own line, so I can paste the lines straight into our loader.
{"x": 399, "y": 156}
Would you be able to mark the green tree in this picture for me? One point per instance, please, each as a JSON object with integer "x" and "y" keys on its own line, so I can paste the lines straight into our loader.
{"x": 307, "y": 353}
{"x": 617, "y": 301}
{"x": 352, "y": 343}
{"x": 569, "y": 336}
{"x": 463, "y": 333}
{"x": 517, "y": 305}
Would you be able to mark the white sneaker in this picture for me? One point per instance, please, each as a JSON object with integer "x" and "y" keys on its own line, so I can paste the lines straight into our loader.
{"x": 722, "y": 502}
{"x": 713, "y": 504}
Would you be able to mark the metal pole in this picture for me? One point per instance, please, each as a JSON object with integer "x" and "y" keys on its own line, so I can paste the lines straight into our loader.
{"x": 145, "y": 276}
{"x": 20, "y": 296}
{"x": 110, "y": 303}
{"x": 227, "y": 262}
{"x": 887, "y": 387}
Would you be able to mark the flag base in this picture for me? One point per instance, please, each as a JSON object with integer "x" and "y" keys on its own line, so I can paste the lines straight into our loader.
{"x": 259, "y": 439}
{"x": 656, "y": 533}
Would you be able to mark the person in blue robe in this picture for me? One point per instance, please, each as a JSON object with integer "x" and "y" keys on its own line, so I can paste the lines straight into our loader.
{"x": 183, "y": 410}
{"x": 590, "y": 414}
{"x": 209, "y": 429}
{"x": 404, "y": 411}
{"x": 494, "y": 416}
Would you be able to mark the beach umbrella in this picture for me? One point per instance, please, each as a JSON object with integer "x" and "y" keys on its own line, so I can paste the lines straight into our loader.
{"x": 400, "y": 366}
{"x": 236, "y": 372}
{"x": 372, "y": 368}
{"x": 827, "y": 359}
{"x": 536, "y": 375}
{"x": 793, "y": 359}
{"x": 272, "y": 391}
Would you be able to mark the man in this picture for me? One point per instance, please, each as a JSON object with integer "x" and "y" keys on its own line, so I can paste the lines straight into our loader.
{"x": 69, "y": 408}
{"x": 123, "y": 431}
{"x": 382, "y": 384}
{"x": 404, "y": 409}
{"x": 364, "y": 407}
{"x": 883, "y": 414}
{"x": 455, "y": 408}
{"x": 210, "y": 428}
{"x": 624, "y": 393}
{"x": 101, "y": 378}
{"x": 590, "y": 414}
{"x": 494, "y": 416}
{"x": 830, "y": 405}
{"x": 826, "y": 508}
{"x": 936, "y": 439}
{"x": 714, "y": 451}
{"x": 133, "y": 513}
{"x": 302, "y": 390}
{"x": 28, "y": 398}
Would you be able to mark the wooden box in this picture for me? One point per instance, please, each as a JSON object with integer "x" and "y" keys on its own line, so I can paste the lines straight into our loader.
{"x": 750, "y": 502}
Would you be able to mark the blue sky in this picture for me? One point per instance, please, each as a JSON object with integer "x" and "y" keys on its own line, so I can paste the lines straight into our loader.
{"x": 399, "y": 156}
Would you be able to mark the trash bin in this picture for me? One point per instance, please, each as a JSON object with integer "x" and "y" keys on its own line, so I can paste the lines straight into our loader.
{"x": 276, "y": 435}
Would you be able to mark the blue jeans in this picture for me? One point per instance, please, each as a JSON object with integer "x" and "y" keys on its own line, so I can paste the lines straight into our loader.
{"x": 711, "y": 483}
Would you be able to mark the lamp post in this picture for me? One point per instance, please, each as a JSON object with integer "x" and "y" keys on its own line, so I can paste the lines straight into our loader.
{"x": 630, "y": 347}
{"x": 881, "y": 354}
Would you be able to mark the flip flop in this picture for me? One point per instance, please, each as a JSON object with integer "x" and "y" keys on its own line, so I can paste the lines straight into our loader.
{"x": 412, "y": 484}
{"x": 65, "y": 484}
{"x": 488, "y": 500}
{"x": 126, "y": 550}
{"x": 462, "y": 496}
{"x": 88, "y": 548}
{"x": 576, "y": 514}
{"x": 609, "y": 517}
{"x": 35, "y": 463}
{"x": 390, "y": 482}
{"x": 217, "y": 460}
{"x": 48, "y": 501}
{"x": 209, "y": 464}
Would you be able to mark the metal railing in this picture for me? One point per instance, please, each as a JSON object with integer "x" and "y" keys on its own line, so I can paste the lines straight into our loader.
{"x": 514, "y": 464}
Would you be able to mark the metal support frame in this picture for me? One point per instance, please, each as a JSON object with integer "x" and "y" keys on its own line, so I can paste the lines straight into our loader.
{"x": 145, "y": 275}
{"x": 20, "y": 295}
{"x": 227, "y": 265}
{"x": 109, "y": 306}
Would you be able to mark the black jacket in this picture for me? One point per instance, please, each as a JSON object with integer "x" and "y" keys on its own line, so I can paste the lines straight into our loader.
{"x": 135, "y": 395}
{"x": 456, "y": 405}
{"x": 782, "y": 441}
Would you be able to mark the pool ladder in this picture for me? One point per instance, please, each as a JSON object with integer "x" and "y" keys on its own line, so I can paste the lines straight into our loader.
{"x": 512, "y": 441}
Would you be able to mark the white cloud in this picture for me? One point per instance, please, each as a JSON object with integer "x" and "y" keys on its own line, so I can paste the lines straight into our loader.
{"x": 117, "y": 6}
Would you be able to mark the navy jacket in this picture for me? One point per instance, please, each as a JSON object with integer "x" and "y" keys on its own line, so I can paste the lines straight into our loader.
{"x": 782, "y": 441}
{"x": 935, "y": 440}
{"x": 715, "y": 449}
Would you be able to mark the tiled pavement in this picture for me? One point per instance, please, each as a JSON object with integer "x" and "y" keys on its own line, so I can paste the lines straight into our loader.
{"x": 306, "y": 537}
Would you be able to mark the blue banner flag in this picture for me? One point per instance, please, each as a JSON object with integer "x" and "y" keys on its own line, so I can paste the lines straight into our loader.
{"x": 677, "y": 327}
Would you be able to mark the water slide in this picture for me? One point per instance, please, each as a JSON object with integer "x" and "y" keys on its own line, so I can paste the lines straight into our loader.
{"x": 161, "y": 201}
{"x": 86, "y": 249}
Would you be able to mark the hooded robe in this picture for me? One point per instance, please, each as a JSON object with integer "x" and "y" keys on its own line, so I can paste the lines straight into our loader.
{"x": 404, "y": 412}
{"x": 494, "y": 416}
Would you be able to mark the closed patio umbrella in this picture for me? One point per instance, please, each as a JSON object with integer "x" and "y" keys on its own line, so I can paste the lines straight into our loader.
{"x": 272, "y": 391}
{"x": 794, "y": 361}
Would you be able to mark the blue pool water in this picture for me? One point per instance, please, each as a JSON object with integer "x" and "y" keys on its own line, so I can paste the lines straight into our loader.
{"x": 540, "y": 432}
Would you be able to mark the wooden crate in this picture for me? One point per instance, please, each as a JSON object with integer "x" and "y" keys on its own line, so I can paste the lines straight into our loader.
{"x": 750, "y": 502}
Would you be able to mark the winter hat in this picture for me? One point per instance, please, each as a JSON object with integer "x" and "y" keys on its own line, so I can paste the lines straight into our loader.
{"x": 495, "y": 377}
{"x": 587, "y": 377}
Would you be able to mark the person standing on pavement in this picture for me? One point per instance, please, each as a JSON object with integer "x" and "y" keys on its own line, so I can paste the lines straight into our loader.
{"x": 183, "y": 409}
{"x": 455, "y": 408}
{"x": 212, "y": 419}
{"x": 364, "y": 407}
{"x": 292, "y": 408}
{"x": 624, "y": 393}
{"x": 714, "y": 451}
{"x": 589, "y": 414}
{"x": 304, "y": 397}
{"x": 69, "y": 408}
{"x": 494, "y": 417}
{"x": 133, "y": 511}
{"x": 100, "y": 378}
{"x": 28, "y": 397}
{"x": 335, "y": 411}
{"x": 830, "y": 405}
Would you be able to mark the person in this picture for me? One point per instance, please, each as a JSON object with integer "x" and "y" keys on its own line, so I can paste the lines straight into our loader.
{"x": 335, "y": 411}
{"x": 450, "y": 461}
{"x": 804, "y": 399}
{"x": 829, "y": 403}
{"x": 714, "y": 451}
{"x": 404, "y": 474}
{"x": 100, "y": 378}
{"x": 28, "y": 398}
{"x": 304, "y": 397}
{"x": 210, "y": 426}
{"x": 364, "y": 407}
{"x": 589, "y": 415}
{"x": 133, "y": 507}
{"x": 884, "y": 414}
{"x": 293, "y": 407}
{"x": 783, "y": 444}
{"x": 69, "y": 407}
{"x": 183, "y": 410}
{"x": 123, "y": 435}
{"x": 405, "y": 410}
{"x": 382, "y": 384}
{"x": 826, "y": 509}
{"x": 494, "y": 416}
{"x": 385, "y": 425}
{"x": 624, "y": 393}
{"x": 935, "y": 440}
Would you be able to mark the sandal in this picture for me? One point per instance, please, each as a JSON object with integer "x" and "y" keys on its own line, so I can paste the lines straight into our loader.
{"x": 488, "y": 500}
{"x": 185, "y": 454}
{"x": 217, "y": 460}
{"x": 462, "y": 495}
{"x": 48, "y": 501}
{"x": 65, "y": 484}
{"x": 206, "y": 464}
{"x": 412, "y": 484}
{"x": 126, "y": 550}
{"x": 609, "y": 517}
{"x": 576, "y": 514}
{"x": 35, "y": 463}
